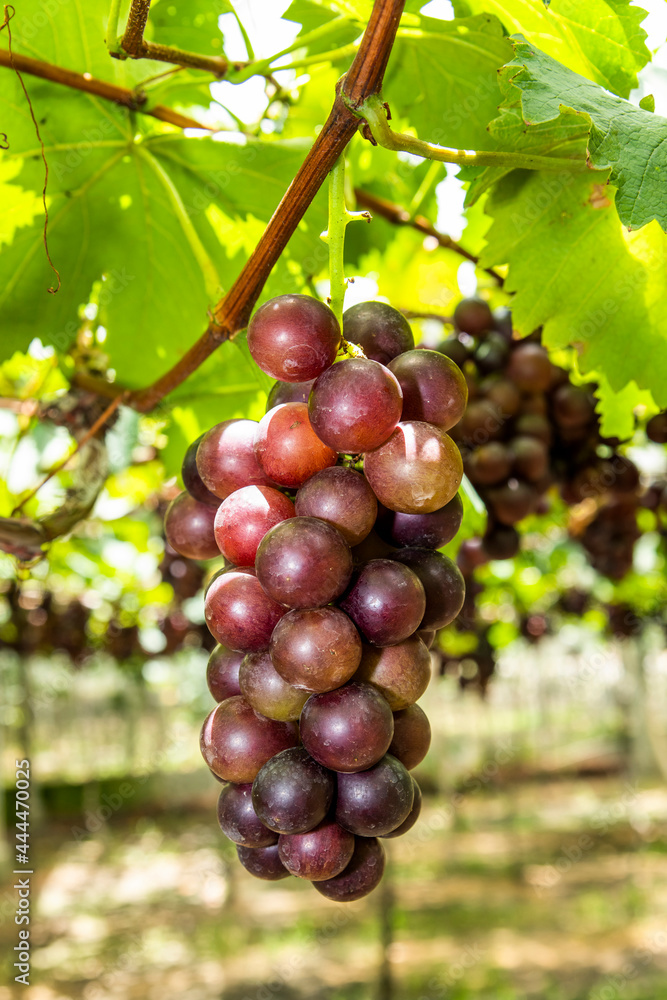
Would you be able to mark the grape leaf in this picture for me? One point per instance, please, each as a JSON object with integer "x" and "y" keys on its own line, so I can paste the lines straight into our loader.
{"x": 188, "y": 24}
{"x": 311, "y": 15}
{"x": 626, "y": 138}
{"x": 442, "y": 77}
{"x": 600, "y": 39}
{"x": 576, "y": 272}
{"x": 617, "y": 409}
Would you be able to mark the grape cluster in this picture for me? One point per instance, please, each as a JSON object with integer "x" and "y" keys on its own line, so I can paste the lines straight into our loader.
{"x": 329, "y": 512}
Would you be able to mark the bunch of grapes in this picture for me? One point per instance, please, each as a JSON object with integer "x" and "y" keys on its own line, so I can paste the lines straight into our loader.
{"x": 329, "y": 512}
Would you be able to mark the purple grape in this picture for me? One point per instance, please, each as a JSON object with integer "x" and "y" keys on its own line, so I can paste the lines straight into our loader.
{"x": 342, "y": 498}
{"x": 303, "y": 563}
{"x": 443, "y": 584}
{"x": 361, "y": 876}
{"x": 289, "y": 392}
{"x": 316, "y": 650}
{"x": 381, "y": 331}
{"x": 355, "y": 405}
{"x": 267, "y": 692}
{"x": 238, "y": 819}
{"x": 434, "y": 388}
{"x": 412, "y": 816}
{"x": 222, "y": 672}
{"x": 262, "y": 862}
{"x": 188, "y": 526}
{"x": 386, "y": 601}
{"x": 239, "y": 613}
{"x": 192, "y": 481}
{"x": 400, "y": 673}
{"x": 417, "y": 470}
{"x": 292, "y": 792}
{"x": 348, "y": 729}
{"x": 423, "y": 531}
{"x": 412, "y": 736}
{"x": 293, "y": 337}
{"x": 236, "y": 742}
{"x": 321, "y": 853}
{"x": 372, "y": 803}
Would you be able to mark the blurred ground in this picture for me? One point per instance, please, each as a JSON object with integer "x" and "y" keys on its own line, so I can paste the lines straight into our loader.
{"x": 555, "y": 891}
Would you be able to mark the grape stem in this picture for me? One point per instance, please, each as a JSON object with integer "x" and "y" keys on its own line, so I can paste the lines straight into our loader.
{"x": 374, "y": 115}
{"x": 339, "y": 219}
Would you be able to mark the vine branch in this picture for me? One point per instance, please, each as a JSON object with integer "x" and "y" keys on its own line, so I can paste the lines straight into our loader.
{"x": 133, "y": 45}
{"x": 398, "y": 216}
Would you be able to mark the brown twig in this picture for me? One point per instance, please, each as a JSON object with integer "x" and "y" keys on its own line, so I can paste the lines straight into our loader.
{"x": 100, "y": 88}
{"x": 134, "y": 46}
{"x": 400, "y": 217}
{"x": 6, "y": 24}
{"x": 91, "y": 432}
{"x": 232, "y": 313}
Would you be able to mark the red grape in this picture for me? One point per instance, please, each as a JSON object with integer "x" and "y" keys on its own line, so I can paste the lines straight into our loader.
{"x": 418, "y": 470}
{"x": 434, "y": 389}
{"x": 342, "y": 498}
{"x": 226, "y": 458}
{"x": 401, "y": 673}
{"x": 188, "y": 526}
{"x": 427, "y": 531}
{"x": 267, "y": 692}
{"x": 412, "y": 816}
{"x": 412, "y": 736}
{"x": 192, "y": 481}
{"x": 222, "y": 672}
{"x": 236, "y": 741}
{"x": 293, "y": 337}
{"x": 287, "y": 447}
{"x": 318, "y": 854}
{"x": 355, "y": 405}
{"x": 292, "y": 792}
{"x": 262, "y": 862}
{"x": 381, "y": 331}
{"x": 473, "y": 316}
{"x": 243, "y": 519}
{"x": 316, "y": 650}
{"x": 529, "y": 367}
{"x": 289, "y": 392}
{"x": 372, "y": 803}
{"x": 386, "y": 601}
{"x": 239, "y": 613}
{"x": 361, "y": 876}
{"x": 442, "y": 582}
{"x": 238, "y": 819}
{"x": 303, "y": 563}
{"x": 348, "y": 729}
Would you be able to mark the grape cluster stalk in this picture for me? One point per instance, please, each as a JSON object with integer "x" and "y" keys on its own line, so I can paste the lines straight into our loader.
{"x": 329, "y": 513}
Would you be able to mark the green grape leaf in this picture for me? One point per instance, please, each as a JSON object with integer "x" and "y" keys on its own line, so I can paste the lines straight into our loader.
{"x": 617, "y": 409}
{"x": 600, "y": 39}
{"x": 442, "y": 77}
{"x": 133, "y": 210}
{"x": 350, "y": 22}
{"x": 576, "y": 272}
{"x": 627, "y": 139}
{"x": 188, "y": 24}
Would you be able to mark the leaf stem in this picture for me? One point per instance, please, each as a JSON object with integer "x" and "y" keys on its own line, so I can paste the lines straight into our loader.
{"x": 339, "y": 217}
{"x": 374, "y": 114}
{"x": 112, "y": 37}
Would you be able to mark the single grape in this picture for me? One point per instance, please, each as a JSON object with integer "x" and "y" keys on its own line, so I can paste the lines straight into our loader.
{"x": 188, "y": 526}
{"x": 316, "y": 650}
{"x": 491, "y": 355}
{"x": 341, "y": 497}
{"x": 236, "y": 741}
{"x": 293, "y": 337}
{"x": 355, "y": 405}
{"x": 192, "y": 481}
{"x": 512, "y": 502}
{"x": 222, "y": 672}
{"x": 361, "y": 876}
{"x": 238, "y": 819}
{"x": 455, "y": 350}
{"x": 471, "y": 555}
{"x": 656, "y": 428}
{"x": 321, "y": 853}
{"x": 424, "y": 531}
{"x": 443, "y": 584}
{"x": 262, "y": 862}
{"x": 381, "y": 331}
{"x": 530, "y": 457}
{"x": 434, "y": 389}
{"x": 304, "y": 563}
{"x": 372, "y": 803}
{"x": 289, "y": 392}
{"x": 473, "y": 316}
{"x": 386, "y": 601}
{"x": 418, "y": 470}
{"x": 572, "y": 405}
{"x": 490, "y": 463}
{"x": 501, "y": 542}
{"x": 267, "y": 692}
{"x": 243, "y": 519}
{"x": 412, "y": 736}
{"x": 482, "y": 422}
{"x": 412, "y": 816}
{"x": 292, "y": 792}
{"x": 226, "y": 458}
{"x": 239, "y": 613}
{"x": 348, "y": 729}
{"x": 287, "y": 447}
{"x": 529, "y": 367}
{"x": 503, "y": 394}
{"x": 401, "y": 673}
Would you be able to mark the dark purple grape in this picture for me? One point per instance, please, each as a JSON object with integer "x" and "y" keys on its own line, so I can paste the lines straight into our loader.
{"x": 453, "y": 349}
{"x": 492, "y": 353}
{"x": 424, "y": 531}
{"x": 292, "y": 792}
{"x": 287, "y": 447}
{"x": 188, "y": 526}
{"x": 503, "y": 394}
{"x": 244, "y": 517}
{"x": 348, "y": 729}
{"x": 267, "y": 692}
{"x": 372, "y": 803}
{"x": 238, "y": 819}
{"x": 530, "y": 458}
{"x": 342, "y": 498}
{"x": 482, "y": 422}
{"x": 412, "y": 816}
{"x": 443, "y": 584}
{"x": 656, "y": 428}
{"x": 355, "y": 405}
{"x": 473, "y": 316}
{"x": 361, "y": 876}
{"x": 289, "y": 392}
{"x": 262, "y": 862}
{"x": 401, "y": 673}
{"x": 192, "y": 481}
{"x": 418, "y": 470}
{"x": 386, "y": 601}
{"x": 222, "y": 672}
{"x": 381, "y": 331}
{"x": 501, "y": 542}
{"x": 236, "y": 742}
{"x": 304, "y": 563}
{"x": 412, "y": 736}
{"x": 226, "y": 458}
{"x": 434, "y": 389}
{"x": 316, "y": 650}
{"x": 512, "y": 502}
{"x": 572, "y": 405}
{"x": 319, "y": 854}
{"x": 471, "y": 556}
{"x": 489, "y": 464}
{"x": 529, "y": 367}
{"x": 239, "y": 613}
{"x": 293, "y": 337}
